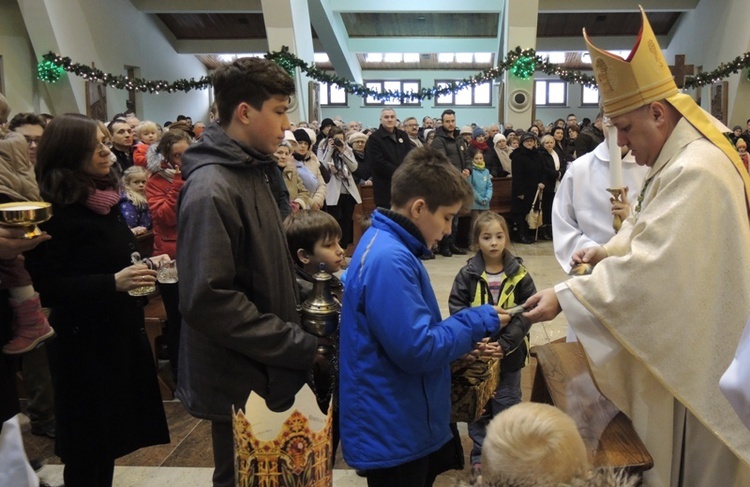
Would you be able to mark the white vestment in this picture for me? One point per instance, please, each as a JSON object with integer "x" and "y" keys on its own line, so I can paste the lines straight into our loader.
{"x": 581, "y": 212}
{"x": 660, "y": 317}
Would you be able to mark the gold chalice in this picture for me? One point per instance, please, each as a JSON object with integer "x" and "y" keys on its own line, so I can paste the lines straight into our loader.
{"x": 27, "y": 215}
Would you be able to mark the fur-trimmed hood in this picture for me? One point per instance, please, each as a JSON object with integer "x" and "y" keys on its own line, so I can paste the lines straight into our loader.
{"x": 601, "y": 477}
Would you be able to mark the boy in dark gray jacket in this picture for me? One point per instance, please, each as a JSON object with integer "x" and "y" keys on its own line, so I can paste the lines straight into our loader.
{"x": 238, "y": 294}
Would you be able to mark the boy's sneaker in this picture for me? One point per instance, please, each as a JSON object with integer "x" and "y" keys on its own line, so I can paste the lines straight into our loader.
{"x": 29, "y": 324}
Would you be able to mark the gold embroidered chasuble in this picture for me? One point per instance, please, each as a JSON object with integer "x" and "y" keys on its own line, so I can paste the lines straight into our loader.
{"x": 661, "y": 316}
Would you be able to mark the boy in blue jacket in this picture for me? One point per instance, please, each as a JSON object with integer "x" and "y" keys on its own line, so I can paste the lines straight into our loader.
{"x": 395, "y": 347}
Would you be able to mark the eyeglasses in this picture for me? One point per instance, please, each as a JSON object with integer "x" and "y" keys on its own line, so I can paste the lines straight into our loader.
{"x": 32, "y": 140}
{"x": 102, "y": 148}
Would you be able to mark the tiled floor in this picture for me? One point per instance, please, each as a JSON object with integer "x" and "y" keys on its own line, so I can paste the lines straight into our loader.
{"x": 186, "y": 461}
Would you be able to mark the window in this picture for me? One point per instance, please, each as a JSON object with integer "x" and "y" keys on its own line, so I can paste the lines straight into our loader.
{"x": 551, "y": 93}
{"x": 332, "y": 95}
{"x": 402, "y": 86}
{"x": 478, "y": 95}
{"x": 589, "y": 96}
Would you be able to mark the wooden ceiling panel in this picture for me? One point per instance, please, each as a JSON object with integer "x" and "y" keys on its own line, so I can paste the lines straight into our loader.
{"x": 602, "y": 24}
{"x": 420, "y": 25}
{"x": 215, "y": 26}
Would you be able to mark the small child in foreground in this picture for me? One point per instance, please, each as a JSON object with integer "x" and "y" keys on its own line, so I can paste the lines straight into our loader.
{"x": 538, "y": 445}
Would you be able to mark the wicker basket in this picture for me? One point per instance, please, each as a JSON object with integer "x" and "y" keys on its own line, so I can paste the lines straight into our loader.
{"x": 472, "y": 386}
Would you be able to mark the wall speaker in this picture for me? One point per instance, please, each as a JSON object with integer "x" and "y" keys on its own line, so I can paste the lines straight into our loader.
{"x": 519, "y": 100}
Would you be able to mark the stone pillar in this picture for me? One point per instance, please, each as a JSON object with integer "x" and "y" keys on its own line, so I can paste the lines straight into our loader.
{"x": 520, "y": 30}
{"x": 60, "y": 27}
{"x": 288, "y": 24}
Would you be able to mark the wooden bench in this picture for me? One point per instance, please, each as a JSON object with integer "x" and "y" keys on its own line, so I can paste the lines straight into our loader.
{"x": 155, "y": 323}
{"x": 145, "y": 242}
{"x": 563, "y": 379}
{"x": 500, "y": 203}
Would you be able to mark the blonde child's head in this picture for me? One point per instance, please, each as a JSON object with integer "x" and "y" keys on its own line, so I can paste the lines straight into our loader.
{"x": 488, "y": 225}
{"x": 147, "y": 132}
{"x": 134, "y": 180}
{"x": 533, "y": 444}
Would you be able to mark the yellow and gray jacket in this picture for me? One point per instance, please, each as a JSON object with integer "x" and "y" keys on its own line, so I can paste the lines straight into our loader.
{"x": 470, "y": 289}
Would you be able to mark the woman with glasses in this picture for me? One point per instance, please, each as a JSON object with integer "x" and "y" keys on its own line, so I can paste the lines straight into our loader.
{"x": 106, "y": 393}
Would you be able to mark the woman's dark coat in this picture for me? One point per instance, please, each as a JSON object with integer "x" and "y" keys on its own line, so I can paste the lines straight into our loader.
{"x": 106, "y": 393}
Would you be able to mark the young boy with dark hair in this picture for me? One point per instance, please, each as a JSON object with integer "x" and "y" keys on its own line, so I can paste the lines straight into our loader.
{"x": 313, "y": 237}
{"x": 395, "y": 347}
{"x": 238, "y": 295}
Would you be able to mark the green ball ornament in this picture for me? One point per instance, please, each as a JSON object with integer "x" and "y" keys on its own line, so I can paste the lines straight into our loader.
{"x": 49, "y": 72}
{"x": 523, "y": 67}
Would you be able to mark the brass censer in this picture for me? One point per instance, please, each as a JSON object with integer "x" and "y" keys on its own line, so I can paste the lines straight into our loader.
{"x": 320, "y": 312}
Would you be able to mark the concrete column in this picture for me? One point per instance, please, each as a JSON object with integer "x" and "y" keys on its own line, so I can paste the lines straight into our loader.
{"x": 288, "y": 24}
{"x": 60, "y": 27}
{"x": 520, "y": 30}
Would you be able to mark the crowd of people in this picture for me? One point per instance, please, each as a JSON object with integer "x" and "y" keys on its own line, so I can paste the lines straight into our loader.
{"x": 250, "y": 206}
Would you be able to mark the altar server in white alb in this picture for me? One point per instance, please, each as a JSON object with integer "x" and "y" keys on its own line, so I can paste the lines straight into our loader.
{"x": 668, "y": 299}
{"x": 581, "y": 212}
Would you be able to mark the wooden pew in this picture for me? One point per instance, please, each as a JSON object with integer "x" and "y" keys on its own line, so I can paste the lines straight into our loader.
{"x": 145, "y": 242}
{"x": 563, "y": 379}
{"x": 155, "y": 324}
{"x": 500, "y": 203}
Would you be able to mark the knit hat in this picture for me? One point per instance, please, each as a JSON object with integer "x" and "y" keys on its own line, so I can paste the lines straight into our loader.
{"x": 497, "y": 138}
{"x": 300, "y": 135}
{"x": 526, "y": 136}
{"x": 311, "y": 134}
{"x": 355, "y": 136}
{"x": 479, "y": 131}
{"x": 289, "y": 137}
{"x": 466, "y": 129}
{"x": 327, "y": 122}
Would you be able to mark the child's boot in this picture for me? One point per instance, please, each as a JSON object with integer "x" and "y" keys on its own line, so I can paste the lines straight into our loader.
{"x": 29, "y": 324}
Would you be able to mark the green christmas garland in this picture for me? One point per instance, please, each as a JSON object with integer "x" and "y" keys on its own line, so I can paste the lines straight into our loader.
{"x": 519, "y": 62}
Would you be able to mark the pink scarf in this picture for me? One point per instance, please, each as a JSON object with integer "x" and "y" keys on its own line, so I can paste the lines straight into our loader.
{"x": 102, "y": 197}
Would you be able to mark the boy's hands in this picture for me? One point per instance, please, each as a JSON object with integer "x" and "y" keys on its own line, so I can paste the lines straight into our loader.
{"x": 503, "y": 315}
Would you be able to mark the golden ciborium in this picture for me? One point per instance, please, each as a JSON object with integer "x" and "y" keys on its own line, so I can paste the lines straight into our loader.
{"x": 26, "y": 215}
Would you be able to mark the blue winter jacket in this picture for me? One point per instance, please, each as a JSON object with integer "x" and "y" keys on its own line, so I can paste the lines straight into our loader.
{"x": 396, "y": 350}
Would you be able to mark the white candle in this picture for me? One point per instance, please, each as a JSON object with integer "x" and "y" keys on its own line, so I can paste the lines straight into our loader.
{"x": 615, "y": 159}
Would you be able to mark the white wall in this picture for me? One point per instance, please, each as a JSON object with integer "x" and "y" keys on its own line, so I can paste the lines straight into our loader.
{"x": 369, "y": 115}
{"x": 19, "y": 64}
{"x": 716, "y": 31}
{"x": 110, "y": 33}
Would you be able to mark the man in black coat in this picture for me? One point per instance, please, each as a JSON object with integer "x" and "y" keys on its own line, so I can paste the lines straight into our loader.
{"x": 448, "y": 140}
{"x": 590, "y": 137}
{"x": 384, "y": 152}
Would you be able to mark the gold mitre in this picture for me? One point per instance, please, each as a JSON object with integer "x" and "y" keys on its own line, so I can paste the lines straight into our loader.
{"x": 642, "y": 78}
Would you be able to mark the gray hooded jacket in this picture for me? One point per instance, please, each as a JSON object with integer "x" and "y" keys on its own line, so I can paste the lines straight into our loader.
{"x": 238, "y": 294}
